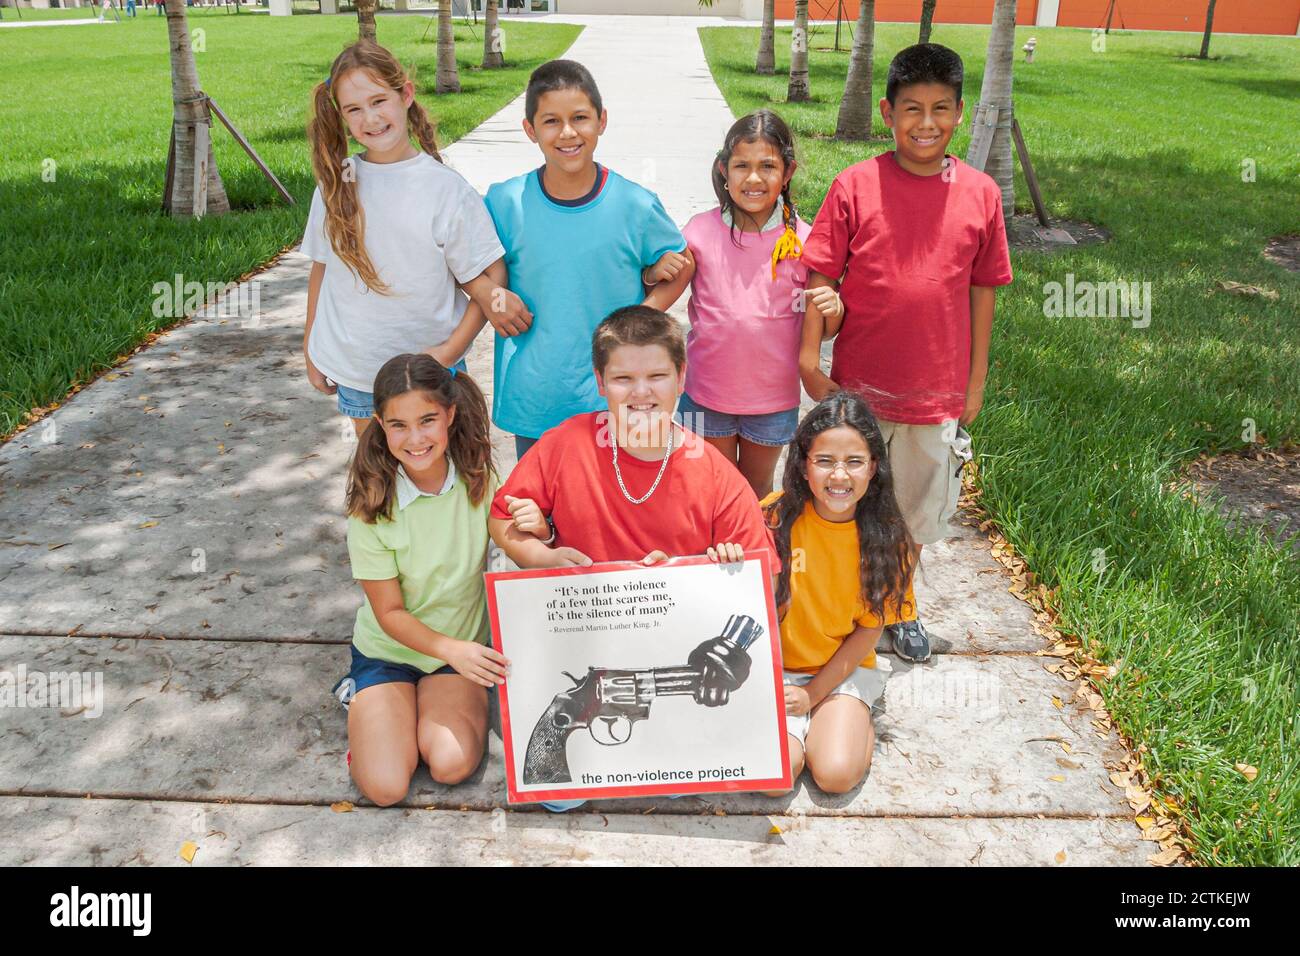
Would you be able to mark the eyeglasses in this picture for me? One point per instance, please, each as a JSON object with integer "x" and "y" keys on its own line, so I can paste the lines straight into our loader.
{"x": 857, "y": 467}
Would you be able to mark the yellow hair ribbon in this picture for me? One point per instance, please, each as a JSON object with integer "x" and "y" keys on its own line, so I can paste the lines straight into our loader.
{"x": 788, "y": 246}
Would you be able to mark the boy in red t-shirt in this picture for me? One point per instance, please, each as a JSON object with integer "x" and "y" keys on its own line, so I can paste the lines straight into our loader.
{"x": 915, "y": 243}
{"x": 627, "y": 484}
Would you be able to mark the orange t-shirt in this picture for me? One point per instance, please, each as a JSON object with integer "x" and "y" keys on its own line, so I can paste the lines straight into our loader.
{"x": 826, "y": 603}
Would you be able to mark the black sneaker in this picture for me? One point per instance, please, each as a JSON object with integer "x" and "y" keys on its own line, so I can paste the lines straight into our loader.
{"x": 910, "y": 640}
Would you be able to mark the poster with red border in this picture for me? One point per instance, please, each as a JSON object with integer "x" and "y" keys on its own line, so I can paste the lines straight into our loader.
{"x": 635, "y": 681}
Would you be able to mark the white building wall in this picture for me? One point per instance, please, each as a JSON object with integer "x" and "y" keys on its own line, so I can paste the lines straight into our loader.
{"x": 680, "y": 8}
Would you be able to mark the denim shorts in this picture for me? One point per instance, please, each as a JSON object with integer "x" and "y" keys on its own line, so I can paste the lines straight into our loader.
{"x": 355, "y": 403}
{"x": 367, "y": 672}
{"x": 773, "y": 429}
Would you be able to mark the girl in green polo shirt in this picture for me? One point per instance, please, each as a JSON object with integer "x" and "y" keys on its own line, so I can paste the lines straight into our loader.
{"x": 418, "y": 496}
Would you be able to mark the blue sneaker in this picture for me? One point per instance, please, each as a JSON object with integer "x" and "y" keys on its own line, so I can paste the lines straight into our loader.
{"x": 910, "y": 640}
{"x": 562, "y": 806}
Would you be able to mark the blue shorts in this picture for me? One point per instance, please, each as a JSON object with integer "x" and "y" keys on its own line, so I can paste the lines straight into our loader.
{"x": 367, "y": 672}
{"x": 774, "y": 429}
{"x": 355, "y": 403}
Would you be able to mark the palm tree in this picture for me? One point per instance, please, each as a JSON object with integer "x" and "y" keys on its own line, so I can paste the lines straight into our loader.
{"x": 493, "y": 42}
{"x": 994, "y": 138}
{"x": 857, "y": 106}
{"x": 366, "y": 18}
{"x": 1209, "y": 28}
{"x": 798, "y": 90}
{"x": 447, "y": 79}
{"x": 191, "y": 121}
{"x": 766, "y": 62}
{"x": 927, "y": 20}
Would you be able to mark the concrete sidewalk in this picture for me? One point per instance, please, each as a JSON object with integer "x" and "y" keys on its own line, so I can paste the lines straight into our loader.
{"x": 177, "y": 528}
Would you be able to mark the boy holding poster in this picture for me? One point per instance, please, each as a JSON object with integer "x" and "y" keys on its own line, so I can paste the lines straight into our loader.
{"x": 627, "y": 484}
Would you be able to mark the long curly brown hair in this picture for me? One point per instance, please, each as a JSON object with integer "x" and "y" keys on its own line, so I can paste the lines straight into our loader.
{"x": 373, "y": 475}
{"x": 883, "y": 541}
{"x": 345, "y": 220}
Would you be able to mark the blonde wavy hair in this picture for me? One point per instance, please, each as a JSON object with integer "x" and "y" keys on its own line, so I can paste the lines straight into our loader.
{"x": 345, "y": 221}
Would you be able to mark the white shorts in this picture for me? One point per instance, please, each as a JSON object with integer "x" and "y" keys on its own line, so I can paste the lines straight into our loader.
{"x": 867, "y": 684}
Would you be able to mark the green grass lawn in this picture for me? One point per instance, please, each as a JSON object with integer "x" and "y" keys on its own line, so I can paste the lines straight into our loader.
{"x": 1088, "y": 420}
{"x": 83, "y": 251}
{"x": 27, "y": 14}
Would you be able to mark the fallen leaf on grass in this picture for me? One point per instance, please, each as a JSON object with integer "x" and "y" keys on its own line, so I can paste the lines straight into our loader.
{"x": 1254, "y": 291}
{"x": 1067, "y": 764}
{"x": 1056, "y": 702}
{"x": 1247, "y": 771}
{"x": 1060, "y": 856}
{"x": 1145, "y": 822}
{"x": 1165, "y": 857}
{"x": 149, "y": 524}
{"x": 1139, "y": 800}
{"x": 1059, "y": 778}
{"x": 343, "y": 806}
{"x": 776, "y": 830}
{"x": 188, "y": 849}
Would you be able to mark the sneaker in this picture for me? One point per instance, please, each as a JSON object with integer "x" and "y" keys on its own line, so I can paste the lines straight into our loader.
{"x": 910, "y": 640}
{"x": 345, "y": 690}
{"x": 562, "y": 806}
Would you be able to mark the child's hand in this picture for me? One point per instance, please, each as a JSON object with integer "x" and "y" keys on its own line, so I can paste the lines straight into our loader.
{"x": 442, "y": 355}
{"x": 828, "y": 302}
{"x": 654, "y": 557}
{"x": 507, "y": 313}
{"x": 567, "y": 558}
{"x": 666, "y": 269}
{"x": 797, "y": 701}
{"x": 726, "y": 553}
{"x": 974, "y": 402}
{"x": 817, "y": 383}
{"x": 318, "y": 380}
{"x": 527, "y": 517}
{"x": 478, "y": 663}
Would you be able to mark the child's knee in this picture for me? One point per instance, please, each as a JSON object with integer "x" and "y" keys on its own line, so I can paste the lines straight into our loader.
{"x": 450, "y": 764}
{"x": 839, "y": 773}
{"x": 384, "y": 789}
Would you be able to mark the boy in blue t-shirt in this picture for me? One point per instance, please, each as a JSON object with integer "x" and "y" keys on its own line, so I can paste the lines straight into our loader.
{"x": 580, "y": 241}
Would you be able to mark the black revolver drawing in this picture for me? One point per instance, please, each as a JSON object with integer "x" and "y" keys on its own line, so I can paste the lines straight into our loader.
{"x": 607, "y": 702}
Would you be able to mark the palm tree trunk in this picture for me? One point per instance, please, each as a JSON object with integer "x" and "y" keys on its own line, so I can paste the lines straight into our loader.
{"x": 366, "y": 19}
{"x": 927, "y": 20}
{"x": 494, "y": 41}
{"x": 798, "y": 90}
{"x": 766, "y": 62}
{"x": 857, "y": 106}
{"x": 189, "y": 111}
{"x": 447, "y": 79}
{"x": 995, "y": 93}
{"x": 1209, "y": 28}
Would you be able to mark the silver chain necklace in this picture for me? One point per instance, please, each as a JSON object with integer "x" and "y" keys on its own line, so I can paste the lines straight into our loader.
{"x": 662, "y": 468}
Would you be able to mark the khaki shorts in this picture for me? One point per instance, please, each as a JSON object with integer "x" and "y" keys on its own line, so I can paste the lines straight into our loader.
{"x": 865, "y": 684}
{"x": 927, "y": 474}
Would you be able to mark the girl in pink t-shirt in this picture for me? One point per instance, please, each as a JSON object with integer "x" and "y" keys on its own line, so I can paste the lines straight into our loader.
{"x": 747, "y": 302}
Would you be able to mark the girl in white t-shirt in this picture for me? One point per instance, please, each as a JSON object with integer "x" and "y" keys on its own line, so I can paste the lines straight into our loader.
{"x": 406, "y": 258}
{"x": 747, "y": 302}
